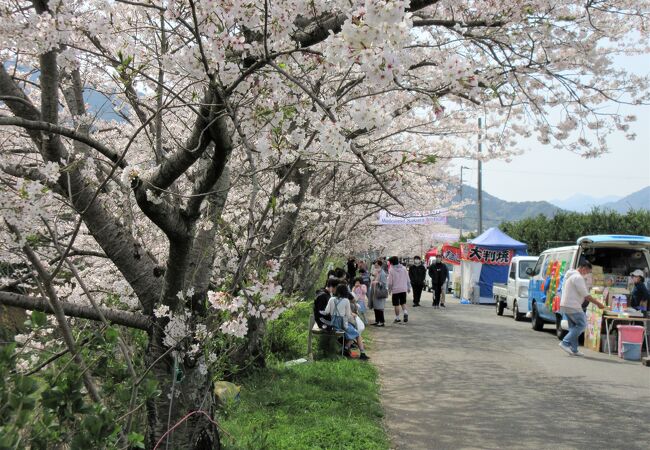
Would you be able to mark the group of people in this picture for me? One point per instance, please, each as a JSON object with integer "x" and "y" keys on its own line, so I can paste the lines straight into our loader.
{"x": 348, "y": 294}
{"x": 439, "y": 275}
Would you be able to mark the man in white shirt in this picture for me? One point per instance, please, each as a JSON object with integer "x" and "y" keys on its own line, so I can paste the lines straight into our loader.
{"x": 574, "y": 293}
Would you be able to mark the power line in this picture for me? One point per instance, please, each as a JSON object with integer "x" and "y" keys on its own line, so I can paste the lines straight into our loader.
{"x": 574, "y": 175}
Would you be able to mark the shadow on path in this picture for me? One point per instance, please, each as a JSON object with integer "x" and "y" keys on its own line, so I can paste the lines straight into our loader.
{"x": 465, "y": 378}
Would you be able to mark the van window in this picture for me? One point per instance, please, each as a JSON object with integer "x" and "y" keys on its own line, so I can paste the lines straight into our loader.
{"x": 512, "y": 271}
{"x": 565, "y": 257}
{"x": 540, "y": 263}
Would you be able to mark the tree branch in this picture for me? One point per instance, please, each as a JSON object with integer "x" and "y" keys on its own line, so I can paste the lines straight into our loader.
{"x": 177, "y": 163}
{"x": 317, "y": 30}
{"x": 117, "y": 317}
{"x": 62, "y": 131}
{"x": 222, "y": 150}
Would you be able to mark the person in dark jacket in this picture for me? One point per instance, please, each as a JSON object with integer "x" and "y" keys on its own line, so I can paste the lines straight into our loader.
{"x": 322, "y": 297}
{"x": 352, "y": 270}
{"x": 640, "y": 298}
{"x": 417, "y": 274}
{"x": 439, "y": 274}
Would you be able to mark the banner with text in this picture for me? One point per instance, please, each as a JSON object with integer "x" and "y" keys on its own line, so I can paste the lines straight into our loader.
{"x": 474, "y": 253}
{"x": 445, "y": 237}
{"x": 413, "y": 217}
{"x": 451, "y": 254}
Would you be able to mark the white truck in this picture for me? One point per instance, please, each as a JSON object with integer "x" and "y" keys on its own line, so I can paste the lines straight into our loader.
{"x": 513, "y": 295}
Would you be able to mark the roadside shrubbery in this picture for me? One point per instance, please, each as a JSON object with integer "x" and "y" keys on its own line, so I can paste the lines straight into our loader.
{"x": 332, "y": 403}
{"x": 286, "y": 337}
{"x": 564, "y": 228}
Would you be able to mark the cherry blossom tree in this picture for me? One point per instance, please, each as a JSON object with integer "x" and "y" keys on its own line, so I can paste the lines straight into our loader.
{"x": 168, "y": 165}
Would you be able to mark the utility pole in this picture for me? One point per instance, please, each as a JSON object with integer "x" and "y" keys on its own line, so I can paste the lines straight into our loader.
{"x": 460, "y": 235}
{"x": 480, "y": 177}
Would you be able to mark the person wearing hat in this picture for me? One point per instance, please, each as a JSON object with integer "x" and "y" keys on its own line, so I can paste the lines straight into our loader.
{"x": 640, "y": 298}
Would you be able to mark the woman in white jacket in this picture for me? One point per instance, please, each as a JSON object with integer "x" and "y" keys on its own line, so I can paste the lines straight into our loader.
{"x": 338, "y": 307}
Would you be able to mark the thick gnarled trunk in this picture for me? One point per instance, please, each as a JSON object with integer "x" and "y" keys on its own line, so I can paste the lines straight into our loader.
{"x": 186, "y": 403}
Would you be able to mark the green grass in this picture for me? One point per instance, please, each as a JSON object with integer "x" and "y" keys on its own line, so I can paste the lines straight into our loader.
{"x": 322, "y": 405}
{"x": 327, "y": 404}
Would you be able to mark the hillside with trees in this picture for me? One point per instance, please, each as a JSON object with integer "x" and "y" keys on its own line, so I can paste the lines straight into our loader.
{"x": 564, "y": 228}
{"x": 496, "y": 210}
{"x": 636, "y": 200}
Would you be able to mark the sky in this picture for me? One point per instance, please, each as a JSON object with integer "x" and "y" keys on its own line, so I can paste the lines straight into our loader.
{"x": 545, "y": 173}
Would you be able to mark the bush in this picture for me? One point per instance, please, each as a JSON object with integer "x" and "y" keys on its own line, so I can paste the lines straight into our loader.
{"x": 565, "y": 228}
{"x": 286, "y": 337}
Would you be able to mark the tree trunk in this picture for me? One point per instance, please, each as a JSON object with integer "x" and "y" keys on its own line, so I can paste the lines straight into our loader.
{"x": 287, "y": 225}
{"x": 185, "y": 390}
{"x": 203, "y": 248}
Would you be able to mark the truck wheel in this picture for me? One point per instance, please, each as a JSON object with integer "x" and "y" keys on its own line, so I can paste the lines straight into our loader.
{"x": 499, "y": 306}
{"x": 536, "y": 321}
{"x": 515, "y": 312}
{"x": 559, "y": 332}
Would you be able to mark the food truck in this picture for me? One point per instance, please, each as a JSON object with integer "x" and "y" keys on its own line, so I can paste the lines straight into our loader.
{"x": 613, "y": 258}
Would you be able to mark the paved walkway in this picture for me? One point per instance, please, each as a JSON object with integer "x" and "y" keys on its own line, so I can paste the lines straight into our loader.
{"x": 464, "y": 378}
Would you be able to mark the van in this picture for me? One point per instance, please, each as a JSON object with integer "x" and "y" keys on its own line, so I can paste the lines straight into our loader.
{"x": 613, "y": 256}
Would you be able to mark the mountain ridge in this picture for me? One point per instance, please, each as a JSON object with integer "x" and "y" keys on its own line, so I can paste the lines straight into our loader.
{"x": 495, "y": 210}
{"x": 583, "y": 202}
{"x": 636, "y": 200}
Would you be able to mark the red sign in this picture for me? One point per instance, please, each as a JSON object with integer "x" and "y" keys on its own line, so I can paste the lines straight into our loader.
{"x": 451, "y": 254}
{"x": 474, "y": 253}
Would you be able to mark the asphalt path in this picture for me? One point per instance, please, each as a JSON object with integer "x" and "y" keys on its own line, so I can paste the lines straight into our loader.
{"x": 465, "y": 378}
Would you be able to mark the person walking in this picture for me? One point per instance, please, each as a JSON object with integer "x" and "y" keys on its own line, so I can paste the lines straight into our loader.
{"x": 378, "y": 293}
{"x": 398, "y": 286}
{"x": 352, "y": 270}
{"x": 417, "y": 274}
{"x": 574, "y": 293}
{"x": 438, "y": 273}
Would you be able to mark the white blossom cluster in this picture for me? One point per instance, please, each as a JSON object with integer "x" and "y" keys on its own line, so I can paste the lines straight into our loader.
{"x": 323, "y": 130}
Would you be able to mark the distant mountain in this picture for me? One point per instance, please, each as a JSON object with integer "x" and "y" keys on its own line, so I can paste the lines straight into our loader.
{"x": 636, "y": 200}
{"x": 583, "y": 202}
{"x": 496, "y": 210}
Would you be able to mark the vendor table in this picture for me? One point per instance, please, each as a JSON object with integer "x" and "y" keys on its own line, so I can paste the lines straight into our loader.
{"x": 609, "y": 322}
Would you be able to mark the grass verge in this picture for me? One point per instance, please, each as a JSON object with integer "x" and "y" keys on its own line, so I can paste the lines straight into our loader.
{"x": 326, "y": 404}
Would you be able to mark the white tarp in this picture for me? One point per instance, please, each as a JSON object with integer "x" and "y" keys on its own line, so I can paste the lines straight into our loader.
{"x": 413, "y": 217}
{"x": 470, "y": 273}
{"x": 445, "y": 237}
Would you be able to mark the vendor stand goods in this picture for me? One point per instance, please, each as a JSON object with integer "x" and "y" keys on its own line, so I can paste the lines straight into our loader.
{"x": 600, "y": 323}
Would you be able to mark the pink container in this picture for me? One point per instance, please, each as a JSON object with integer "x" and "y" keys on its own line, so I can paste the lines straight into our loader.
{"x": 629, "y": 333}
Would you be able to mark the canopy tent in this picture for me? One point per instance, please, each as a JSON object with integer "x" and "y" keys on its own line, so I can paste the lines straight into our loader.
{"x": 433, "y": 251}
{"x": 493, "y": 237}
{"x": 485, "y": 261}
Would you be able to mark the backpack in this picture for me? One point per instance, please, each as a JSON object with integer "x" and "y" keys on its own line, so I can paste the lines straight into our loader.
{"x": 338, "y": 321}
